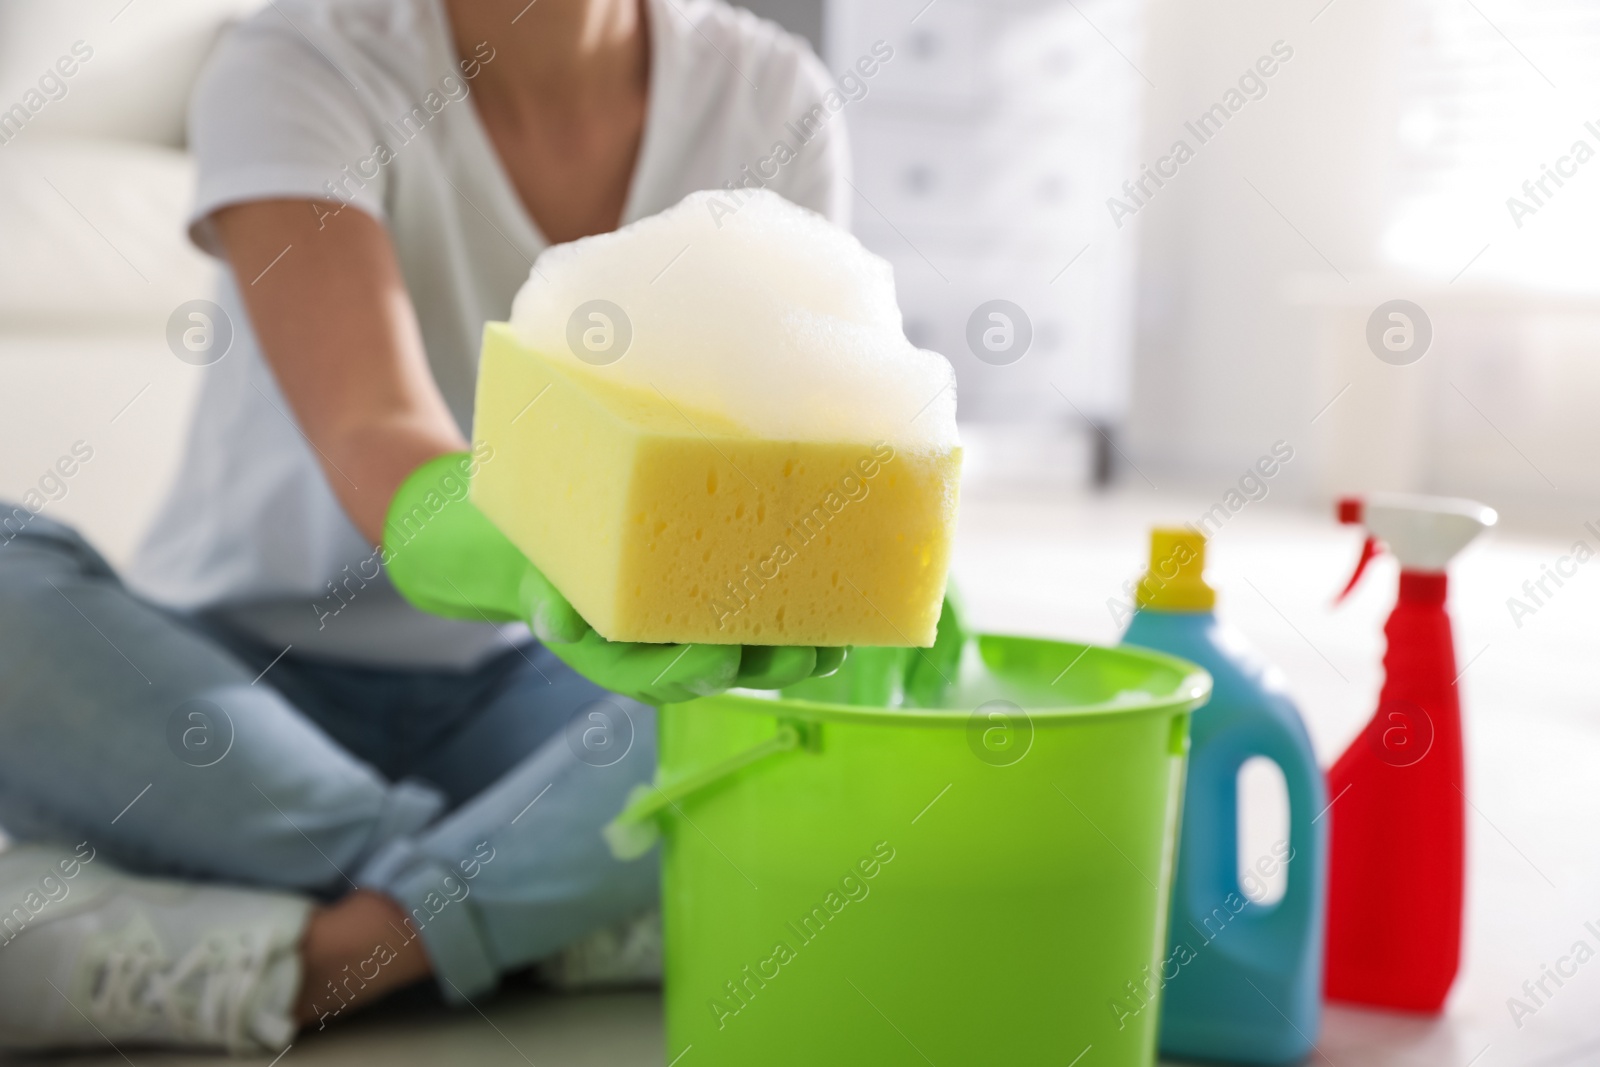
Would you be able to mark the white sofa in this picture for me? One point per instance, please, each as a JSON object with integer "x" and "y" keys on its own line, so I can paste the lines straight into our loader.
{"x": 94, "y": 186}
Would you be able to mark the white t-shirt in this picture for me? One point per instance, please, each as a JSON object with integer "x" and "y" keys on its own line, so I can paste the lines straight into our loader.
{"x": 365, "y": 102}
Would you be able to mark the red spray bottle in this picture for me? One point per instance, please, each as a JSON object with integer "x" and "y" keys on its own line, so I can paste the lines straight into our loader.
{"x": 1397, "y": 795}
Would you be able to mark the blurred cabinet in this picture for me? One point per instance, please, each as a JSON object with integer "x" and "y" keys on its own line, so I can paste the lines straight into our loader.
{"x": 984, "y": 152}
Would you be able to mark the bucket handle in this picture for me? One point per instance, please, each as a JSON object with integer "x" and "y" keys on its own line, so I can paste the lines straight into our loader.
{"x": 637, "y": 828}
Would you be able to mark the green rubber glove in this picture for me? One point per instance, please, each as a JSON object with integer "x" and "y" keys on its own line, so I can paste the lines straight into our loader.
{"x": 893, "y": 677}
{"x": 447, "y": 558}
{"x": 933, "y": 673}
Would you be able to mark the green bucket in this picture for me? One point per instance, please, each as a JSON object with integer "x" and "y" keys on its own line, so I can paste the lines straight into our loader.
{"x": 984, "y": 882}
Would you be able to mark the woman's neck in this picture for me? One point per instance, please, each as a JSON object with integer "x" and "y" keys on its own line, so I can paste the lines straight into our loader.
{"x": 566, "y": 53}
{"x": 563, "y": 100}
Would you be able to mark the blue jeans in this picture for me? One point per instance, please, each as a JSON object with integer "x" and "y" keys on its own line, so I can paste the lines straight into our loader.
{"x": 474, "y": 798}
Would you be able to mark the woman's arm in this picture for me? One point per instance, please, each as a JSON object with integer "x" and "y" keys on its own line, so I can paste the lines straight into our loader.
{"x": 336, "y": 325}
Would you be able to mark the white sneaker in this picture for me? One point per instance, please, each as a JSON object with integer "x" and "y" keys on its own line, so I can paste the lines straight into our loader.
{"x": 627, "y": 954}
{"x": 106, "y": 957}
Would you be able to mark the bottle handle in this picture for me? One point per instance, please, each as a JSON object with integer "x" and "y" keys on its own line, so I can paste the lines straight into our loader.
{"x": 1306, "y": 795}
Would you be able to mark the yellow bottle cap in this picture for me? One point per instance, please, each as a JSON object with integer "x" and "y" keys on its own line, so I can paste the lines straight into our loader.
{"x": 1176, "y": 578}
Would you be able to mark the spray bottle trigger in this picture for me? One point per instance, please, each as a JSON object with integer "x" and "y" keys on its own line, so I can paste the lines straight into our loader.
{"x": 1369, "y": 550}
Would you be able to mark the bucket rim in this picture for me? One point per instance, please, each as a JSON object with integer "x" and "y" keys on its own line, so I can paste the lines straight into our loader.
{"x": 1192, "y": 690}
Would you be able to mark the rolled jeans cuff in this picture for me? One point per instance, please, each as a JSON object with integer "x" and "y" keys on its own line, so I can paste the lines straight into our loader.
{"x": 408, "y": 809}
{"x": 463, "y": 966}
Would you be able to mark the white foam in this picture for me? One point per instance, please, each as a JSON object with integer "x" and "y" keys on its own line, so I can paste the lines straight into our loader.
{"x": 756, "y": 310}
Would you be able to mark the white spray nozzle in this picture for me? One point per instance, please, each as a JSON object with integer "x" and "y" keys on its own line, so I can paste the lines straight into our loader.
{"x": 1424, "y": 532}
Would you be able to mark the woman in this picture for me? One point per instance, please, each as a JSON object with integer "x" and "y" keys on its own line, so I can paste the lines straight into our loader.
{"x": 342, "y": 794}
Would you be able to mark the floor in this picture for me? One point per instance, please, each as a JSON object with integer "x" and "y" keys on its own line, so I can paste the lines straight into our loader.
{"x": 1050, "y": 566}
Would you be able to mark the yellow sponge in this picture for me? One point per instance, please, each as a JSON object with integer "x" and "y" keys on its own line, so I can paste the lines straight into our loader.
{"x": 665, "y": 524}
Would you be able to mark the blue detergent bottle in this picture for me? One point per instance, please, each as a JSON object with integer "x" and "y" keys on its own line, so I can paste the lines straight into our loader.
{"x": 1241, "y": 980}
